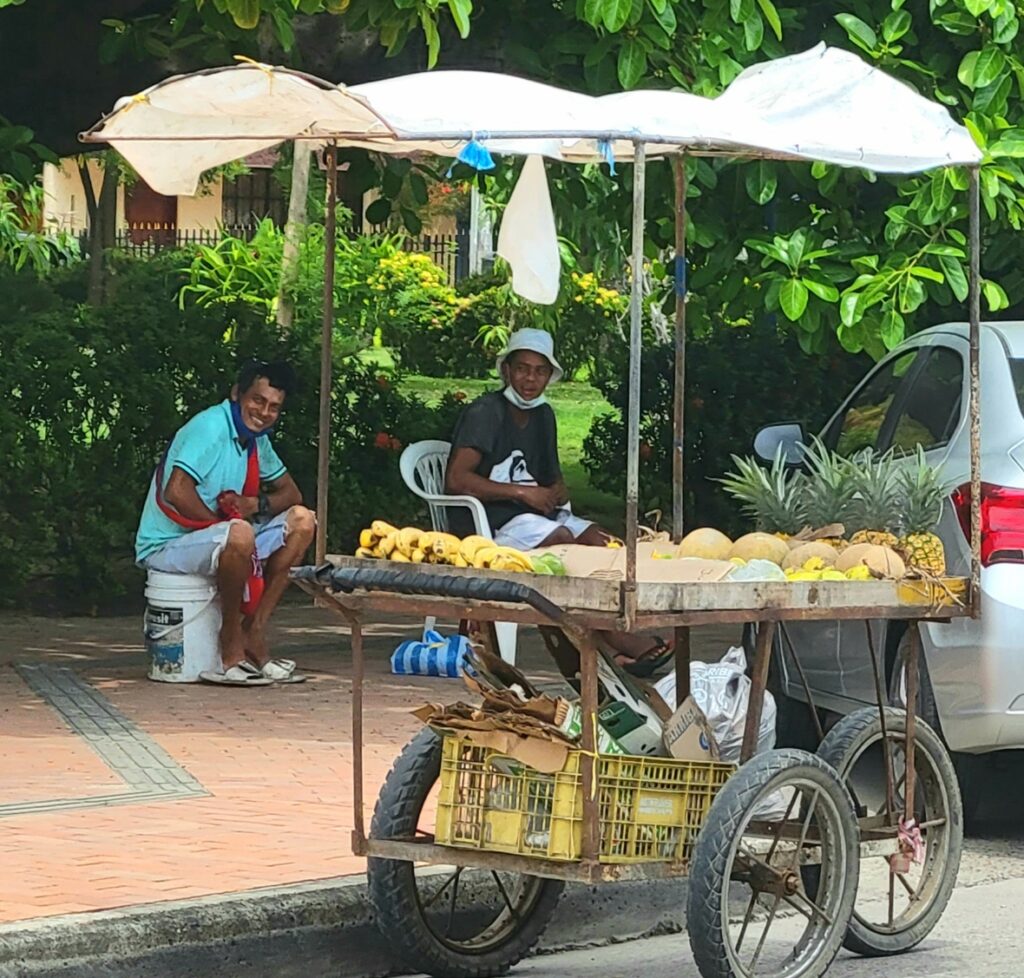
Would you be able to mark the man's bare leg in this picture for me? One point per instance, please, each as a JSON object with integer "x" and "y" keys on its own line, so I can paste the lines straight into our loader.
{"x": 233, "y": 569}
{"x": 300, "y": 528}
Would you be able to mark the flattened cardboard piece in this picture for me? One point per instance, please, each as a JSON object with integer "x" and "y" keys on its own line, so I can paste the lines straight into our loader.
{"x": 688, "y": 736}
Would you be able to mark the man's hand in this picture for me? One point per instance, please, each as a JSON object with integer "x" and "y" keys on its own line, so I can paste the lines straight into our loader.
{"x": 543, "y": 499}
{"x": 246, "y": 506}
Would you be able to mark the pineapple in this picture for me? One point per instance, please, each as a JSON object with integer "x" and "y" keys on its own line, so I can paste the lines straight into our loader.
{"x": 923, "y": 493}
{"x": 773, "y": 498}
{"x": 829, "y": 490}
{"x": 875, "y": 509}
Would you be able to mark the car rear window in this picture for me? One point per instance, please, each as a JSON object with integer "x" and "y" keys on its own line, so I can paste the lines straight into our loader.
{"x": 1017, "y": 373}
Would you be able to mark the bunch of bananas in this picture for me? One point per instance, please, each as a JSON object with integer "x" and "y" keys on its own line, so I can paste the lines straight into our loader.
{"x": 383, "y": 541}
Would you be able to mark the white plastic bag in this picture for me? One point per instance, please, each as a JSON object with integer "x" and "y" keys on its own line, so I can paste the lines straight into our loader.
{"x": 758, "y": 570}
{"x": 527, "y": 239}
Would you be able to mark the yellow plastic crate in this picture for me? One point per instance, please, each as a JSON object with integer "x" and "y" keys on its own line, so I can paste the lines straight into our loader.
{"x": 651, "y": 808}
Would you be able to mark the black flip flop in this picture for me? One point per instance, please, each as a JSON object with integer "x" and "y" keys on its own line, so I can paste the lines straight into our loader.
{"x": 647, "y": 666}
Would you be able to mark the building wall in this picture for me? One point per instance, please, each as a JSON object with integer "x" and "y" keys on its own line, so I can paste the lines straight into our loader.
{"x": 65, "y": 206}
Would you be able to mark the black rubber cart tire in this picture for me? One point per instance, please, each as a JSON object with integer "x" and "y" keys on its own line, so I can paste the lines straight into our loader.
{"x": 716, "y": 865}
{"x": 395, "y": 894}
{"x": 846, "y": 749}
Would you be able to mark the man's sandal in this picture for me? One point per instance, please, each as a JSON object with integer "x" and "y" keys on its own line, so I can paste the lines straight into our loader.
{"x": 651, "y": 661}
{"x": 243, "y": 674}
{"x": 282, "y": 671}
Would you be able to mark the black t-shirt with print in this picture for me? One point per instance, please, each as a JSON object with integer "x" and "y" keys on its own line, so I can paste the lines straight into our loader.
{"x": 509, "y": 453}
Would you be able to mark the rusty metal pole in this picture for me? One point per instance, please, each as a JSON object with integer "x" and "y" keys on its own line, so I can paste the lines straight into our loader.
{"x": 758, "y": 682}
{"x": 589, "y": 767}
{"x": 974, "y": 312}
{"x": 636, "y": 311}
{"x": 682, "y": 640}
{"x": 679, "y": 391}
{"x": 359, "y": 827}
{"x": 912, "y": 672}
{"x": 326, "y": 355}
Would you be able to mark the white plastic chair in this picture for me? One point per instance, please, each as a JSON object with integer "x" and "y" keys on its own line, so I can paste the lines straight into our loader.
{"x": 423, "y": 465}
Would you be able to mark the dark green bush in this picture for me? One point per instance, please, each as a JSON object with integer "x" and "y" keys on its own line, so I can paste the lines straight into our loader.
{"x": 737, "y": 380}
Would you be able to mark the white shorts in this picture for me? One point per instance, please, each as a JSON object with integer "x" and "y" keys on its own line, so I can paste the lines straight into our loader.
{"x": 531, "y": 529}
{"x": 198, "y": 552}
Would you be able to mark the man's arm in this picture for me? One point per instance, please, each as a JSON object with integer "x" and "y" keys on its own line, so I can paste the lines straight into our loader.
{"x": 282, "y": 493}
{"x": 462, "y": 479}
{"x": 181, "y": 493}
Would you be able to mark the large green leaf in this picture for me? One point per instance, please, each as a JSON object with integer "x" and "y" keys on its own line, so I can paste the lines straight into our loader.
{"x": 245, "y": 13}
{"x": 753, "y": 32}
{"x": 990, "y": 65}
{"x": 893, "y": 329}
{"x": 955, "y": 277}
{"x": 793, "y": 299}
{"x": 741, "y": 10}
{"x": 632, "y": 63}
{"x": 593, "y": 12}
{"x": 823, "y": 290}
{"x": 666, "y": 17}
{"x": 772, "y": 16}
{"x": 461, "y": 11}
{"x": 761, "y": 181}
{"x": 859, "y": 32}
{"x": 896, "y": 24}
{"x": 616, "y": 14}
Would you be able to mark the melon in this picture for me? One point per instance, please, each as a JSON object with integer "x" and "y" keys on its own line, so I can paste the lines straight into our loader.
{"x": 881, "y": 561}
{"x": 760, "y": 546}
{"x": 706, "y": 543}
{"x": 799, "y": 556}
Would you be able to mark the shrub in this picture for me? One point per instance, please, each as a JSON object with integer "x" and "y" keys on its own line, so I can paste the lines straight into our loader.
{"x": 737, "y": 380}
{"x": 95, "y": 395}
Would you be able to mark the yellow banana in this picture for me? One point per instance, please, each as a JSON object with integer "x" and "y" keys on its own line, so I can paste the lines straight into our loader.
{"x": 408, "y": 539}
{"x": 470, "y": 545}
{"x": 459, "y": 561}
{"x": 417, "y": 556}
{"x": 388, "y": 544}
{"x": 483, "y": 556}
{"x": 382, "y": 529}
{"x": 367, "y": 539}
{"x": 400, "y": 557}
{"x": 445, "y": 545}
{"x": 365, "y": 552}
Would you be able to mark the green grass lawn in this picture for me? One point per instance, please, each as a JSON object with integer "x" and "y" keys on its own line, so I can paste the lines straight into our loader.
{"x": 576, "y": 405}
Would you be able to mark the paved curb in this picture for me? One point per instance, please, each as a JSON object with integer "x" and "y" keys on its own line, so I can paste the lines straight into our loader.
{"x": 290, "y": 932}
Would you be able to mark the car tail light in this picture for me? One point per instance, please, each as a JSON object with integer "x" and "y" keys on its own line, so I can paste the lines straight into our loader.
{"x": 1002, "y": 522}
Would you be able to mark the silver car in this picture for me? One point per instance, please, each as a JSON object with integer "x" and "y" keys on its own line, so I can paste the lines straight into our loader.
{"x": 972, "y": 686}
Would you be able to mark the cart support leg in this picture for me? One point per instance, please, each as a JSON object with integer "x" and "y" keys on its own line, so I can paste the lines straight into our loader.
{"x": 759, "y": 680}
{"x": 591, "y": 842}
{"x": 912, "y": 673}
{"x": 890, "y": 778}
{"x": 682, "y": 638}
{"x": 359, "y": 828}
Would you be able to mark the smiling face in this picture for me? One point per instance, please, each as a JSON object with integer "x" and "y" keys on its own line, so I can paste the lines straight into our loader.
{"x": 260, "y": 405}
{"x": 528, "y": 373}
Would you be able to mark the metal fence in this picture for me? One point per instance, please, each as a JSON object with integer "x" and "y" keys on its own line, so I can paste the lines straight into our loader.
{"x": 449, "y": 251}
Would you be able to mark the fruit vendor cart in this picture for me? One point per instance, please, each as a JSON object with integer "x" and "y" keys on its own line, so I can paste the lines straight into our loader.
{"x": 469, "y": 847}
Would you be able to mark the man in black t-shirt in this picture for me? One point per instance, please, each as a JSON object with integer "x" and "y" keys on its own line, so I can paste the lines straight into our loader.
{"x": 505, "y": 453}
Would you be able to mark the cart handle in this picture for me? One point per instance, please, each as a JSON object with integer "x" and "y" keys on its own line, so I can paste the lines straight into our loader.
{"x": 402, "y": 581}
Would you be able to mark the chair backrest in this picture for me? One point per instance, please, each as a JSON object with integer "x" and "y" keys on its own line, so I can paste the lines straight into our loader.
{"x": 423, "y": 465}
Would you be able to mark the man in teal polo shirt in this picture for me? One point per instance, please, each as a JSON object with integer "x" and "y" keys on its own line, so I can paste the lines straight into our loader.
{"x": 222, "y": 504}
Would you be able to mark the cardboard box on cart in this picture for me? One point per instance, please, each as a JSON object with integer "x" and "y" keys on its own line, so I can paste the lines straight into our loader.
{"x": 688, "y": 736}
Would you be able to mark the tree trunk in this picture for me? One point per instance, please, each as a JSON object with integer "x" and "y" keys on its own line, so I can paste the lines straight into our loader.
{"x": 102, "y": 225}
{"x": 293, "y": 235}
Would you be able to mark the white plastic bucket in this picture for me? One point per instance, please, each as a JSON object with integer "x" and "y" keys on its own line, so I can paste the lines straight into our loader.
{"x": 182, "y": 627}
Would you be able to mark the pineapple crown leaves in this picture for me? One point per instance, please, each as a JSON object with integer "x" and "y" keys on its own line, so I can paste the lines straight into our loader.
{"x": 829, "y": 487}
{"x": 772, "y": 497}
{"x": 877, "y": 503}
{"x": 922, "y": 492}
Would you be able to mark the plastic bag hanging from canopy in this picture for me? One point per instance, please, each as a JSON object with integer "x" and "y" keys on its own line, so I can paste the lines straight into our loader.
{"x": 528, "y": 240}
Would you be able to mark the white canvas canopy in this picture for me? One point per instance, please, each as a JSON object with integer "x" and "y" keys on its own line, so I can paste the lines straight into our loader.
{"x": 825, "y": 104}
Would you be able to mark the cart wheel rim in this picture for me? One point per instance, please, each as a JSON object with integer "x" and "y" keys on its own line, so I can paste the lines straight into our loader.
{"x": 803, "y": 926}
{"x": 889, "y": 902}
{"x": 474, "y": 912}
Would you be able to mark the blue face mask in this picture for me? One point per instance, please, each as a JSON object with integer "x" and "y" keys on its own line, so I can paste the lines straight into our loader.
{"x": 515, "y": 398}
{"x": 244, "y": 432}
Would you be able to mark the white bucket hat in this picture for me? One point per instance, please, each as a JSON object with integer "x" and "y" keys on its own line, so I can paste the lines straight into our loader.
{"x": 536, "y": 341}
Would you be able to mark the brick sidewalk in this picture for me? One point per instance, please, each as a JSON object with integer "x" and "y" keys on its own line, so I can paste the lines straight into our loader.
{"x": 117, "y": 791}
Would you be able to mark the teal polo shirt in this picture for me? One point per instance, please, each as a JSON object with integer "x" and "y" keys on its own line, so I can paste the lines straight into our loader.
{"x": 208, "y": 449}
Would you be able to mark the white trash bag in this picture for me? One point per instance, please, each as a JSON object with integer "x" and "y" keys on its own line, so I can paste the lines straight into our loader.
{"x": 722, "y": 691}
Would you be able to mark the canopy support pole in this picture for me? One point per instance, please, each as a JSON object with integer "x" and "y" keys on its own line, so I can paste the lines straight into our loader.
{"x": 326, "y": 338}
{"x": 974, "y": 312}
{"x": 636, "y": 311}
{"x": 678, "y": 494}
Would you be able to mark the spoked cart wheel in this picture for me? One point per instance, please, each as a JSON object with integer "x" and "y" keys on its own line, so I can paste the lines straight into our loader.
{"x": 449, "y": 922}
{"x": 897, "y": 904}
{"x": 748, "y": 914}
